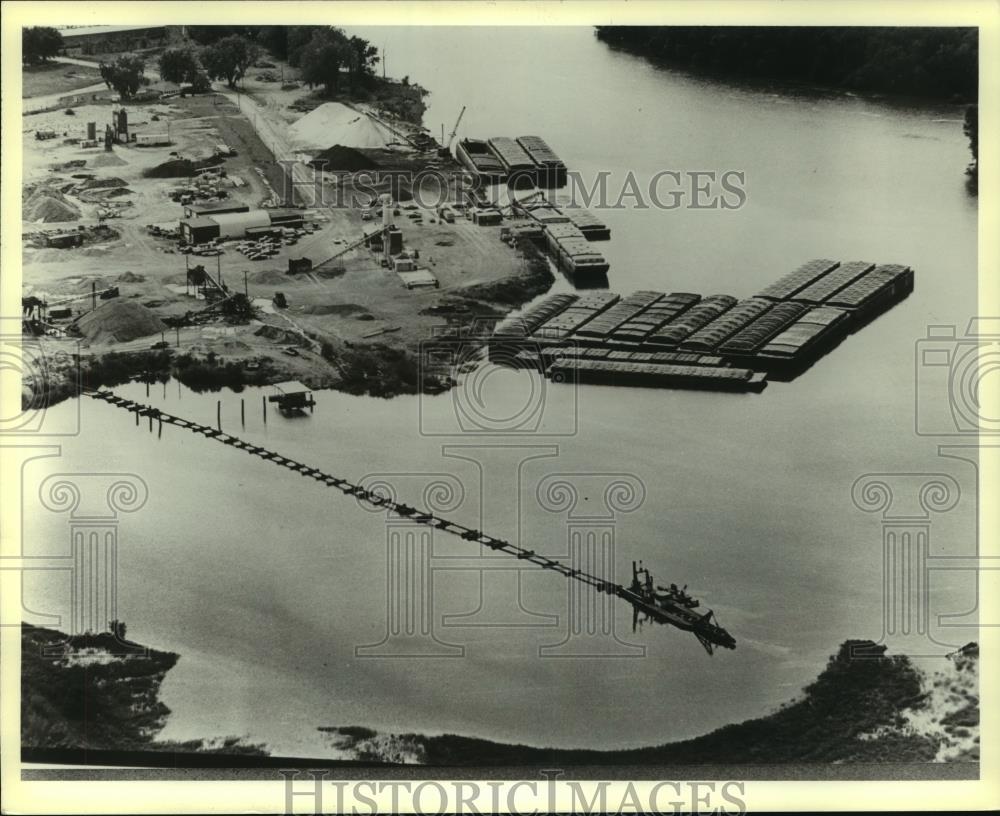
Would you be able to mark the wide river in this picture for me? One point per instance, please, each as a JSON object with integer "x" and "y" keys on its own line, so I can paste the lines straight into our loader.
{"x": 266, "y": 582}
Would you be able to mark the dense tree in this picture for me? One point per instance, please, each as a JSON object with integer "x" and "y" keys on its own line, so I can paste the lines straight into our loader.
{"x": 179, "y": 65}
{"x": 297, "y": 38}
{"x": 229, "y": 58}
{"x": 39, "y": 43}
{"x": 932, "y": 62}
{"x": 363, "y": 57}
{"x": 275, "y": 40}
{"x": 206, "y": 35}
{"x": 329, "y": 51}
{"x": 971, "y": 130}
{"x": 321, "y": 60}
{"x": 125, "y": 75}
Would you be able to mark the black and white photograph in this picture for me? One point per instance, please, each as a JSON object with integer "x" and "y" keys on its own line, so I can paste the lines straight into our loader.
{"x": 498, "y": 407}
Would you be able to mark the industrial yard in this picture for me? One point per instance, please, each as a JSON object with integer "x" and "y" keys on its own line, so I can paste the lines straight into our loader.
{"x": 201, "y": 213}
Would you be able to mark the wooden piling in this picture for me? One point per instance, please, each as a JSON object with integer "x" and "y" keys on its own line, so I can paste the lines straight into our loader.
{"x": 243, "y": 412}
{"x": 218, "y": 414}
{"x": 263, "y": 401}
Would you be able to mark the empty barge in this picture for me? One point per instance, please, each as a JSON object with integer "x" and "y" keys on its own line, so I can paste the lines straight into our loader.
{"x": 476, "y": 156}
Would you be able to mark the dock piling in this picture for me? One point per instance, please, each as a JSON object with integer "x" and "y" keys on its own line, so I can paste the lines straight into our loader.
{"x": 243, "y": 413}
{"x": 218, "y": 414}
{"x": 263, "y": 401}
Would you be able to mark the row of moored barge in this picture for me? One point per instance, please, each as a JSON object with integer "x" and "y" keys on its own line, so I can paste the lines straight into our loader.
{"x": 526, "y": 161}
{"x": 684, "y": 340}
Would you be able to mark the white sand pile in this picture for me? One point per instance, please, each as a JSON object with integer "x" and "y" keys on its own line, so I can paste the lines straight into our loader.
{"x": 333, "y": 123}
{"x": 118, "y": 322}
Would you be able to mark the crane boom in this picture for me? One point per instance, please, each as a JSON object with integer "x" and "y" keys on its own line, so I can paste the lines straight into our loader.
{"x": 454, "y": 130}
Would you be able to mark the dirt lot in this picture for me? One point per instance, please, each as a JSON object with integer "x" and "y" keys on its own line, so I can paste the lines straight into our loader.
{"x": 56, "y": 77}
{"x": 352, "y": 323}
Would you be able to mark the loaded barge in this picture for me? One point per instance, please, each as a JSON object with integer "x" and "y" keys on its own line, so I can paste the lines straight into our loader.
{"x": 550, "y": 170}
{"x": 520, "y": 167}
{"x": 684, "y": 340}
{"x": 566, "y": 234}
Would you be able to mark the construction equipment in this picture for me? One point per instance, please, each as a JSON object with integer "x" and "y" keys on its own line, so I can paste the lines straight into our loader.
{"x": 445, "y": 149}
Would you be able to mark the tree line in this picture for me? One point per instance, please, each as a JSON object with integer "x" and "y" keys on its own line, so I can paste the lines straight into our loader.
{"x": 941, "y": 63}
{"x": 39, "y": 44}
{"x": 326, "y": 56}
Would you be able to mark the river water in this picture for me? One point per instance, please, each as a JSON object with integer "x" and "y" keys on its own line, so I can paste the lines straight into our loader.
{"x": 265, "y": 582}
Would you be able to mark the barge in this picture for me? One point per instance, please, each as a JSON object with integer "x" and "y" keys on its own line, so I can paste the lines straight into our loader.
{"x": 750, "y": 338}
{"x": 601, "y": 337}
{"x": 590, "y": 225}
{"x": 698, "y": 316}
{"x": 573, "y": 253}
{"x": 797, "y": 280}
{"x": 874, "y": 293}
{"x": 550, "y": 170}
{"x": 476, "y": 156}
{"x": 804, "y": 341}
{"x": 520, "y": 167}
{"x": 827, "y": 286}
{"x": 650, "y": 375}
{"x": 726, "y": 325}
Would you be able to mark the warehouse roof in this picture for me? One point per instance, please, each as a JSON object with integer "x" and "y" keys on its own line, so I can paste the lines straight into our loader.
{"x": 84, "y": 31}
{"x": 253, "y": 218}
{"x": 198, "y": 222}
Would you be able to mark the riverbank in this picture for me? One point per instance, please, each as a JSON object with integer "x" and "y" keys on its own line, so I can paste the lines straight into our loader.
{"x": 931, "y": 63}
{"x": 864, "y": 707}
{"x": 96, "y": 691}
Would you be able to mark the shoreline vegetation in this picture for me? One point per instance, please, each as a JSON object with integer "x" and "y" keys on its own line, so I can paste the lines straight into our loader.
{"x": 940, "y": 64}
{"x": 931, "y": 63}
{"x": 101, "y": 692}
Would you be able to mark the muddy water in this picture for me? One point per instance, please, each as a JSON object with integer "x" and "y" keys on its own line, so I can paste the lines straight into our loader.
{"x": 266, "y": 582}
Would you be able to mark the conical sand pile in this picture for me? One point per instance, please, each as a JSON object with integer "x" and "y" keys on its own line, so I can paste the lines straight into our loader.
{"x": 336, "y": 124}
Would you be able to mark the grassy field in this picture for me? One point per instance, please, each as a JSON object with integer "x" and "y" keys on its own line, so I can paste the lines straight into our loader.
{"x": 56, "y": 77}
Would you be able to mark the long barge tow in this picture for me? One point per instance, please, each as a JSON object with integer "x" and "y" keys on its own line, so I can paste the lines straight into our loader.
{"x": 644, "y": 599}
